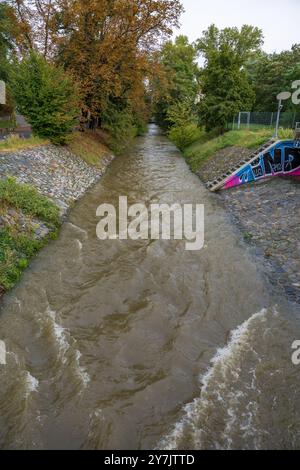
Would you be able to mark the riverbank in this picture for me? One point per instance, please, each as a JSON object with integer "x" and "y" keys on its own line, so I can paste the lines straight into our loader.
{"x": 42, "y": 177}
{"x": 268, "y": 217}
{"x": 267, "y": 214}
{"x": 109, "y": 336}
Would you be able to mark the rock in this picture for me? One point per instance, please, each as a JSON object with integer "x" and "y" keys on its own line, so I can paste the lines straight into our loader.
{"x": 56, "y": 173}
{"x": 270, "y": 212}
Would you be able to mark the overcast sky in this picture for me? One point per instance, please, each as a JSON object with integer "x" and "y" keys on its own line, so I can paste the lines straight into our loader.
{"x": 279, "y": 19}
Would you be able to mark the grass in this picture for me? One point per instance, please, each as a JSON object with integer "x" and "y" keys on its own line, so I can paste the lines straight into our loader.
{"x": 14, "y": 142}
{"x": 29, "y": 201}
{"x": 15, "y": 252}
{"x": 16, "y": 249}
{"x": 7, "y": 124}
{"x": 88, "y": 146}
{"x": 209, "y": 144}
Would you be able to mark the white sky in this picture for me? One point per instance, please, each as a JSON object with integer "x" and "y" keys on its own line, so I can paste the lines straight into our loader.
{"x": 279, "y": 19}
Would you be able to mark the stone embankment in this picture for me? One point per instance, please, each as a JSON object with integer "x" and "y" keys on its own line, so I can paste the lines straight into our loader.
{"x": 57, "y": 174}
{"x": 268, "y": 216}
{"x": 54, "y": 171}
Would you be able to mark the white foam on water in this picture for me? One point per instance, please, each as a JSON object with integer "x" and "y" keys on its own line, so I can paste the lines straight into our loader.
{"x": 31, "y": 384}
{"x": 67, "y": 352}
{"x": 79, "y": 244}
{"x": 18, "y": 303}
{"x": 78, "y": 230}
{"x": 82, "y": 373}
{"x": 59, "y": 334}
{"x": 222, "y": 363}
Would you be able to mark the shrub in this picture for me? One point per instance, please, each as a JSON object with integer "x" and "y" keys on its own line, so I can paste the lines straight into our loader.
{"x": 46, "y": 96}
{"x": 139, "y": 125}
{"x": 15, "y": 250}
{"x": 121, "y": 128}
{"x": 184, "y": 135}
{"x": 286, "y": 134}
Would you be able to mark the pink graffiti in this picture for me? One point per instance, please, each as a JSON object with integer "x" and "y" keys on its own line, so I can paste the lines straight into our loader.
{"x": 232, "y": 182}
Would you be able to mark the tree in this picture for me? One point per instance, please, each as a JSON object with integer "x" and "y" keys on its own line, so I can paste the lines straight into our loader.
{"x": 46, "y": 96}
{"x": 177, "y": 87}
{"x": 105, "y": 44}
{"x": 8, "y": 35}
{"x": 225, "y": 85}
{"x": 271, "y": 74}
{"x": 38, "y": 25}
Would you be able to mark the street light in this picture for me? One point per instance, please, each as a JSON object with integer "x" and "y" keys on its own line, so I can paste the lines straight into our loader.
{"x": 2, "y": 93}
{"x": 285, "y": 95}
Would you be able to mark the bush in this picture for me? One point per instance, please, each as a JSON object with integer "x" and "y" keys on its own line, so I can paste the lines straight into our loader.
{"x": 139, "y": 125}
{"x": 46, "y": 96}
{"x": 286, "y": 134}
{"x": 15, "y": 251}
{"x": 184, "y": 135}
{"x": 121, "y": 128}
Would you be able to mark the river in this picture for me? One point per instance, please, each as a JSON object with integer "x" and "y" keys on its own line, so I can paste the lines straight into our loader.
{"x": 142, "y": 344}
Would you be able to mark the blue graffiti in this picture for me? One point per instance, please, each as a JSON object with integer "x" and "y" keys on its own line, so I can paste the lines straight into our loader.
{"x": 283, "y": 158}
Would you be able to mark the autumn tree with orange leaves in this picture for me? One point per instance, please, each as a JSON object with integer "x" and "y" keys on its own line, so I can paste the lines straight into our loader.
{"x": 108, "y": 46}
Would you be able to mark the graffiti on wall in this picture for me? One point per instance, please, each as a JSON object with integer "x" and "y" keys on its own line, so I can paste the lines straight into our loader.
{"x": 283, "y": 159}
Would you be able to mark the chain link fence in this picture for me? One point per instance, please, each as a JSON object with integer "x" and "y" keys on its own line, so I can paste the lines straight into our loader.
{"x": 253, "y": 120}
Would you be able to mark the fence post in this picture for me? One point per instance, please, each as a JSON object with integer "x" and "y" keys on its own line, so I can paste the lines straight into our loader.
{"x": 248, "y": 120}
{"x": 239, "y": 121}
{"x": 278, "y": 117}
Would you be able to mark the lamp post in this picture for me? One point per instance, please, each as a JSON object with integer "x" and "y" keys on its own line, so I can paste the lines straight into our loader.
{"x": 2, "y": 92}
{"x": 285, "y": 95}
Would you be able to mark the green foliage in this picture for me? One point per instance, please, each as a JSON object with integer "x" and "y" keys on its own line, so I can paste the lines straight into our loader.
{"x": 270, "y": 74}
{"x": 225, "y": 85}
{"x": 242, "y": 44}
{"x": 15, "y": 250}
{"x": 5, "y": 124}
{"x": 286, "y": 134}
{"x": 139, "y": 125}
{"x": 179, "y": 114}
{"x": 209, "y": 144}
{"x": 27, "y": 199}
{"x": 121, "y": 128}
{"x": 88, "y": 146}
{"x": 6, "y": 50}
{"x": 184, "y": 135}
{"x": 14, "y": 142}
{"x": 227, "y": 91}
{"x": 47, "y": 97}
{"x": 6, "y": 31}
{"x": 181, "y": 80}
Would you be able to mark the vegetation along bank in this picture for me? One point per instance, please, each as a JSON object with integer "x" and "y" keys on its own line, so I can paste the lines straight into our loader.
{"x": 37, "y": 187}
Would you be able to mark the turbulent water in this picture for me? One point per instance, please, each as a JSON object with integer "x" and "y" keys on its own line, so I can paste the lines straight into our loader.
{"x": 142, "y": 344}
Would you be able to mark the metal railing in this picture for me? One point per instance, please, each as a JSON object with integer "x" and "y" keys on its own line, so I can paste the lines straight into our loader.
{"x": 256, "y": 120}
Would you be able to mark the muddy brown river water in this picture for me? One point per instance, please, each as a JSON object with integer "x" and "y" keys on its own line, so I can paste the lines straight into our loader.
{"x": 142, "y": 344}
